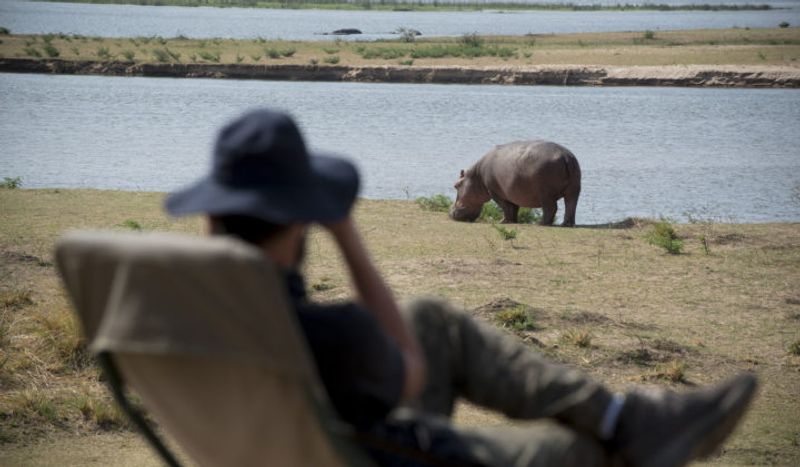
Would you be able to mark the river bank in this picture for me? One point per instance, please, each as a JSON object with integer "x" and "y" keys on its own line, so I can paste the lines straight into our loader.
{"x": 724, "y": 58}
{"x": 728, "y": 303}
{"x": 693, "y": 76}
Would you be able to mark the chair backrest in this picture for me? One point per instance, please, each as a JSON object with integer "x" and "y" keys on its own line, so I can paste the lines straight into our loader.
{"x": 201, "y": 329}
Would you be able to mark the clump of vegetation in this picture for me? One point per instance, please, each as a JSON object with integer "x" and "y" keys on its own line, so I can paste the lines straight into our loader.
{"x": 505, "y": 234}
{"x": 272, "y": 53}
{"x": 130, "y": 224}
{"x": 161, "y": 55}
{"x": 11, "y": 183}
{"x": 4, "y": 31}
{"x": 664, "y": 235}
{"x": 76, "y": 51}
{"x": 435, "y": 203}
{"x": 406, "y": 62}
{"x": 209, "y": 56}
{"x": 471, "y": 40}
{"x": 103, "y": 53}
{"x": 578, "y": 338}
{"x": 649, "y": 34}
{"x": 313, "y": 61}
{"x": 794, "y": 348}
{"x": 31, "y": 51}
{"x": 288, "y": 52}
{"x": 673, "y": 371}
{"x": 332, "y": 60}
{"x": 491, "y": 212}
{"x": 255, "y": 57}
{"x": 103, "y": 413}
{"x": 62, "y": 334}
{"x": 705, "y": 244}
{"x": 407, "y": 35}
{"x": 783, "y": 24}
{"x": 51, "y": 50}
{"x": 517, "y": 318}
{"x": 128, "y": 54}
{"x": 330, "y": 51}
{"x": 385, "y": 53}
{"x": 15, "y": 299}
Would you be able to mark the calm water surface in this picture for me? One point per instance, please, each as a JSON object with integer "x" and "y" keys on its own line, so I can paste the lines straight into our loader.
{"x": 727, "y": 154}
{"x": 130, "y": 20}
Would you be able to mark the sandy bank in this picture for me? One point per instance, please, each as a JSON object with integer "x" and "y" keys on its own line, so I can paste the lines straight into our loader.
{"x": 562, "y": 75}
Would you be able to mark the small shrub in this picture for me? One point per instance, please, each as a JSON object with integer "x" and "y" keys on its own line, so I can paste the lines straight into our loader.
{"x": 31, "y": 51}
{"x": 288, "y": 52}
{"x": 272, "y": 53}
{"x": 161, "y": 55}
{"x": 664, "y": 235}
{"x": 762, "y": 56}
{"x": 239, "y": 58}
{"x": 794, "y": 348}
{"x": 11, "y": 183}
{"x": 193, "y": 58}
{"x": 255, "y": 57}
{"x": 76, "y": 51}
{"x": 48, "y": 38}
{"x": 51, "y": 51}
{"x": 782, "y": 24}
{"x": 128, "y": 54}
{"x": 330, "y": 51}
{"x": 582, "y": 339}
{"x": 505, "y": 234}
{"x": 104, "y": 414}
{"x": 173, "y": 55}
{"x": 63, "y": 335}
{"x": 103, "y": 52}
{"x": 674, "y": 371}
{"x": 261, "y": 40}
{"x": 472, "y": 40}
{"x": 704, "y": 243}
{"x": 130, "y": 224}
{"x": 209, "y": 56}
{"x": 527, "y": 54}
{"x": 406, "y": 62}
{"x": 4, "y": 31}
{"x": 517, "y": 318}
{"x": 160, "y": 40}
{"x": 436, "y": 203}
{"x": 407, "y": 35}
{"x": 333, "y": 59}
{"x": 313, "y": 61}
{"x": 649, "y": 34}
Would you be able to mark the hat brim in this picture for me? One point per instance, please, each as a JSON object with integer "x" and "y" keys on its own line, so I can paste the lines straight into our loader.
{"x": 327, "y": 195}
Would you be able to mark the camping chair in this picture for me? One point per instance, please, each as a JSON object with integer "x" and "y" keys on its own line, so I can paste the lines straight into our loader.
{"x": 200, "y": 328}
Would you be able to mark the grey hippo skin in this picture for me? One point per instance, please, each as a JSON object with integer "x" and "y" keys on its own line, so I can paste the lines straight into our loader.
{"x": 533, "y": 174}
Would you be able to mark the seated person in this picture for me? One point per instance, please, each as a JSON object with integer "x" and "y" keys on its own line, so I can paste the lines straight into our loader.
{"x": 394, "y": 374}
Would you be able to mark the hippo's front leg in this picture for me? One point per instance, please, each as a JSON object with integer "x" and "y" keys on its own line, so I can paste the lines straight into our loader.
{"x": 510, "y": 211}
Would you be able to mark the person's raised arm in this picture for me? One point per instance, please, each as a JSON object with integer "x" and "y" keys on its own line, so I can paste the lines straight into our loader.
{"x": 377, "y": 298}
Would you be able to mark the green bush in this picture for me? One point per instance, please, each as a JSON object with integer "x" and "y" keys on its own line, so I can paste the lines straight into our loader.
{"x": 288, "y": 52}
{"x": 333, "y": 59}
{"x": 517, "y": 318}
{"x": 130, "y": 224}
{"x": 11, "y": 183}
{"x": 505, "y": 234}
{"x": 272, "y": 53}
{"x": 4, "y": 31}
{"x": 783, "y": 25}
{"x": 128, "y": 54}
{"x": 491, "y": 212}
{"x": 51, "y": 51}
{"x": 436, "y": 203}
{"x": 471, "y": 40}
{"x": 31, "y": 51}
{"x": 794, "y": 348}
{"x": 649, "y": 34}
{"x": 161, "y": 55}
{"x": 209, "y": 56}
{"x": 103, "y": 52}
{"x": 663, "y": 235}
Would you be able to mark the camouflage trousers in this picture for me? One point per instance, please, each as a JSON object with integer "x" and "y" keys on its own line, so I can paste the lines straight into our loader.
{"x": 472, "y": 360}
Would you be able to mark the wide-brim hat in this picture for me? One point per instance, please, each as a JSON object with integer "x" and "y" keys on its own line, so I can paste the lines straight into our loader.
{"x": 261, "y": 168}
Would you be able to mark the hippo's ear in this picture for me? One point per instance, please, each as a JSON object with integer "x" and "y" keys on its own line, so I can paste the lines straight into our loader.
{"x": 462, "y": 173}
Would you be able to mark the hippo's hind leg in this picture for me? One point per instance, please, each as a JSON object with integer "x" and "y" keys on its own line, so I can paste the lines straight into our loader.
{"x": 549, "y": 209}
{"x": 570, "y": 205}
{"x": 510, "y": 211}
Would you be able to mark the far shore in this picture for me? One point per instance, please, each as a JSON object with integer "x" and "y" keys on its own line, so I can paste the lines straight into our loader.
{"x": 718, "y": 58}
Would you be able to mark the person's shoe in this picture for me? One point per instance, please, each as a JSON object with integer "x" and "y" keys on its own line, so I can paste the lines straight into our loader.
{"x": 666, "y": 429}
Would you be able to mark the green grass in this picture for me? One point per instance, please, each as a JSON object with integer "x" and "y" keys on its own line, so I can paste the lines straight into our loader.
{"x": 578, "y": 338}
{"x": 130, "y": 224}
{"x": 435, "y": 203}
{"x": 664, "y": 235}
{"x": 518, "y": 319}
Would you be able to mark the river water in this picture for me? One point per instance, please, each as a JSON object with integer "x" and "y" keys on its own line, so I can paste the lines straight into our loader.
{"x": 723, "y": 154}
{"x": 129, "y": 21}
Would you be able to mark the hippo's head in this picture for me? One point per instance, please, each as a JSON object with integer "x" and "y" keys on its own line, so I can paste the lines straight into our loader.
{"x": 470, "y": 196}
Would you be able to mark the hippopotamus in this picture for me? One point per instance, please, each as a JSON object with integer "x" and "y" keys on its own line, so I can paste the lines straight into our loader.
{"x": 523, "y": 173}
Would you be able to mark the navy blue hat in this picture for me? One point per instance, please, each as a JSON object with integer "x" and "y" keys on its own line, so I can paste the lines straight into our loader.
{"x": 261, "y": 168}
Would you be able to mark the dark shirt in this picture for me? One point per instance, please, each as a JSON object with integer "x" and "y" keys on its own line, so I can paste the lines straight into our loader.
{"x": 360, "y": 366}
